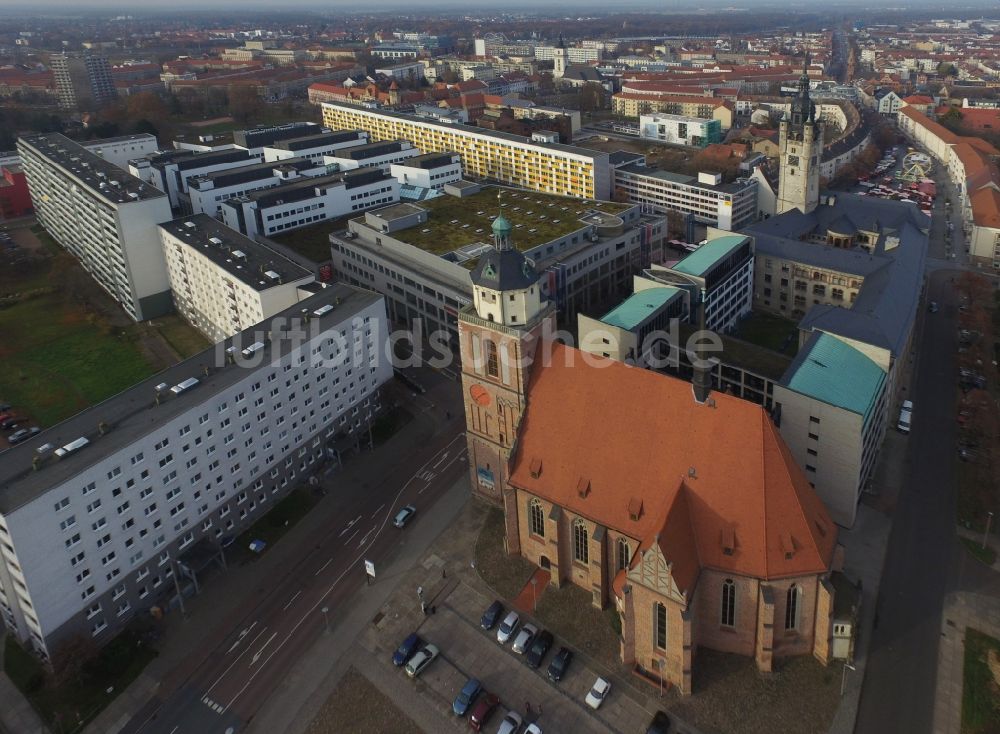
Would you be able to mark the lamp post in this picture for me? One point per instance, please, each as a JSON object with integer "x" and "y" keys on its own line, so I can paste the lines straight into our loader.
{"x": 986, "y": 535}
{"x": 843, "y": 678}
{"x": 326, "y": 618}
{"x": 534, "y": 594}
{"x": 661, "y": 664}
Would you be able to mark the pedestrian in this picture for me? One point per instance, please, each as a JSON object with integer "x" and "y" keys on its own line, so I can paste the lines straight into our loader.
{"x": 444, "y": 573}
{"x": 539, "y": 707}
{"x": 527, "y": 707}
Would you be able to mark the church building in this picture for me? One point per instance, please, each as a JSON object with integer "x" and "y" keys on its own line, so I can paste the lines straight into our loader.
{"x": 681, "y": 507}
{"x": 800, "y": 147}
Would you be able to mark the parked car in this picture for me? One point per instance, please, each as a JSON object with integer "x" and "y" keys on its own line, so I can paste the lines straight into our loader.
{"x": 932, "y": 307}
{"x": 4, "y": 407}
{"x": 483, "y": 710}
{"x": 421, "y": 660}
{"x": 660, "y": 723}
{"x": 905, "y": 416}
{"x": 524, "y": 638}
{"x": 598, "y": 693}
{"x": 539, "y": 647}
{"x": 405, "y": 651}
{"x": 532, "y": 729}
{"x": 403, "y": 516}
{"x": 508, "y": 627}
{"x": 11, "y": 422}
{"x": 511, "y": 723}
{"x": 491, "y": 615}
{"x": 23, "y": 435}
{"x": 560, "y": 664}
{"x": 6, "y": 416}
{"x": 466, "y": 696}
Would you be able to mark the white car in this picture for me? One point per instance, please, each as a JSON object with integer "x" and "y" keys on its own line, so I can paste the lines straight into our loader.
{"x": 598, "y": 693}
{"x": 421, "y": 660}
{"x": 532, "y": 729}
{"x": 905, "y": 415}
{"x": 524, "y": 638}
{"x": 511, "y": 723}
{"x": 508, "y": 627}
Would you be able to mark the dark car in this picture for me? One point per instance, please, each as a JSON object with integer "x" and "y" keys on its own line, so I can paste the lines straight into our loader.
{"x": 483, "y": 710}
{"x": 406, "y": 650}
{"x": 466, "y": 697}
{"x": 23, "y": 435}
{"x": 11, "y": 422}
{"x": 538, "y": 649}
{"x": 932, "y": 307}
{"x": 491, "y": 615}
{"x": 560, "y": 664}
{"x": 660, "y": 723}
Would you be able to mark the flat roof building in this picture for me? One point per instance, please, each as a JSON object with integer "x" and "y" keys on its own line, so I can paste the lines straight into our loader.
{"x": 208, "y": 191}
{"x": 314, "y": 146}
{"x": 379, "y": 155}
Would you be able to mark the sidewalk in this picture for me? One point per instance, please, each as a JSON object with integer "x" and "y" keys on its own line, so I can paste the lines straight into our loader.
{"x": 961, "y": 610}
{"x": 992, "y": 541}
{"x": 16, "y": 714}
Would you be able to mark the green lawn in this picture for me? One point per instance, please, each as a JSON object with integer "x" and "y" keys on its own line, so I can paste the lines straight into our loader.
{"x": 505, "y": 574}
{"x": 313, "y": 241}
{"x": 58, "y": 361}
{"x": 980, "y": 700}
{"x": 186, "y": 340}
{"x": 45, "y": 238}
{"x": 78, "y": 700}
{"x": 771, "y": 332}
{"x": 986, "y": 555}
{"x": 386, "y": 425}
{"x": 272, "y": 526}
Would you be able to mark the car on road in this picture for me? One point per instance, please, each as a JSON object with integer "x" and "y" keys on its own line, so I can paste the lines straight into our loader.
{"x": 23, "y": 435}
{"x": 660, "y": 724}
{"x": 511, "y": 723}
{"x": 483, "y": 710}
{"x": 532, "y": 729}
{"x": 539, "y": 647}
{"x": 508, "y": 627}
{"x": 406, "y": 649}
{"x": 491, "y": 615}
{"x": 905, "y": 416}
{"x": 403, "y": 516}
{"x": 419, "y": 662}
{"x": 933, "y": 307}
{"x": 524, "y": 638}
{"x": 466, "y": 696}
{"x": 560, "y": 664}
{"x": 598, "y": 693}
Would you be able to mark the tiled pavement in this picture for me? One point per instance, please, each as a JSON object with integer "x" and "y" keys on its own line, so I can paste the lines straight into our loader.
{"x": 961, "y": 610}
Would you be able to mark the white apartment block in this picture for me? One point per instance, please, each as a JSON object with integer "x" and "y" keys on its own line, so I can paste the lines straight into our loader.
{"x": 207, "y": 192}
{"x": 170, "y": 171}
{"x": 410, "y": 71}
{"x": 300, "y": 203}
{"x": 121, "y": 150}
{"x": 223, "y": 282}
{"x": 314, "y": 147}
{"x": 373, "y": 155}
{"x": 729, "y": 206}
{"x": 679, "y": 130}
{"x": 574, "y": 54}
{"x": 91, "y": 532}
{"x": 430, "y": 171}
{"x": 103, "y": 216}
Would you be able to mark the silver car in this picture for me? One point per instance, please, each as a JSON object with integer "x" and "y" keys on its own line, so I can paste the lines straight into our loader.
{"x": 511, "y": 723}
{"x": 524, "y": 638}
{"x": 508, "y": 627}
{"x": 421, "y": 660}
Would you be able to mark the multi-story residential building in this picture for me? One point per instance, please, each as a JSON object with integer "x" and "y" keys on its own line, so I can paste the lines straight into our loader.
{"x": 170, "y": 171}
{"x": 303, "y": 202}
{"x": 223, "y": 282}
{"x": 314, "y": 147}
{"x": 122, "y": 149}
{"x": 395, "y": 51}
{"x": 97, "y": 512}
{"x": 574, "y": 54}
{"x": 691, "y": 131}
{"x": 379, "y": 155}
{"x": 420, "y": 255}
{"x": 411, "y": 71}
{"x": 729, "y": 206}
{"x": 83, "y": 81}
{"x": 207, "y": 192}
{"x": 428, "y": 171}
{"x": 551, "y": 168}
{"x": 636, "y": 104}
{"x": 102, "y": 215}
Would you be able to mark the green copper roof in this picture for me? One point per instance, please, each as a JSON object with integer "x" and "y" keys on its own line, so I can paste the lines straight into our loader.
{"x": 701, "y": 260}
{"x": 501, "y": 225}
{"x": 638, "y": 307}
{"x": 838, "y": 374}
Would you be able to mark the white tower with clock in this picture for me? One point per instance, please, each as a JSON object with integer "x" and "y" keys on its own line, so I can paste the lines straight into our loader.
{"x": 800, "y": 145}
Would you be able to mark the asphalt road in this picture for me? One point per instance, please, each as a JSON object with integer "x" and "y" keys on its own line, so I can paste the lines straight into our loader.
{"x": 251, "y": 654}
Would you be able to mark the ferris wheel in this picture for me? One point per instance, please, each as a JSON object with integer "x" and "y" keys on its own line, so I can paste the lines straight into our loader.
{"x": 916, "y": 166}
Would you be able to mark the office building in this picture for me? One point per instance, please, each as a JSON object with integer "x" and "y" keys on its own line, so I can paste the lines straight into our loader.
{"x": 83, "y": 81}
{"x": 255, "y": 139}
{"x": 172, "y": 170}
{"x": 314, "y": 147}
{"x": 693, "y": 132}
{"x": 551, "y": 168}
{"x": 428, "y": 171}
{"x": 102, "y": 215}
{"x": 373, "y": 155}
{"x": 208, "y": 191}
{"x": 98, "y": 512}
{"x": 121, "y": 150}
{"x": 223, "y": 282}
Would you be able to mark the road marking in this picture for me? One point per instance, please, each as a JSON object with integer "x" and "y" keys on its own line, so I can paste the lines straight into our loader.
{"x": 311, "y": 612}
{"x": 260, "y": 652}
{"x": 323, "y": 567}
{"x": 366, "y": 537}
{"x": 427, "y": 475}
{"x": 380, "y": 508}
{"x": 441, "y": 459}
{"x": 294, "y": 597}
{"x": 174, "y": 730}
{"x": 226, "y": 671}
{"x": 351, "y": 537}
{"x": 243, "y": 633}
{"x": 216, "y": 707}
{"x": 350, "y": 524}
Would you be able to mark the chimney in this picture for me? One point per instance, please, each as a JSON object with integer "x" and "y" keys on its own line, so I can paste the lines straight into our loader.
{"x": 702, "y": 378}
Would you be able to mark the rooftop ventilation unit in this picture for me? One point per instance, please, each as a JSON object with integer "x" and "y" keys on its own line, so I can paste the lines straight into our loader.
{"x": 272, "y": 275}
{"x": 184, "y": 386}
{"x": 215, "y": 240}
{"x": 162, "y": 386}
{"x": 190, "y": 225}
{"x": 240, "y": 254}
{"x": 71, "y": 447}
{"x": 323, "y": 310}
{"x": 253, "y": 348}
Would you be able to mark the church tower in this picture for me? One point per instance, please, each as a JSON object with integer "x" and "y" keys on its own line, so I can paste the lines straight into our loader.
{"x": 800, "y": 145}
{"x": 498, "y": 336}
{"x": 560, "y": 59}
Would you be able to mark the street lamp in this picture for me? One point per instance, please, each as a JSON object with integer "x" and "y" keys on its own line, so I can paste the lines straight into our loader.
{"x": 986, "y": 535}
{"x": 534, "y": 594}
{"x": 843, "y": 678}
{"x": 326, "y": 618}
{"x": 661, "y": 664}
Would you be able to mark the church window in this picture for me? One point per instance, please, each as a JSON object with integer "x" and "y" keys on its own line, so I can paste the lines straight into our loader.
{"x": 728, "y": 603}
{"x": 792, "y": 608}
{"x": 660, "y": 625}
{"x": 536, "y": 520}
{"x": 623, "y": 554}
{"x": 492, "y": 359}
{"x": 581, "y": 549}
